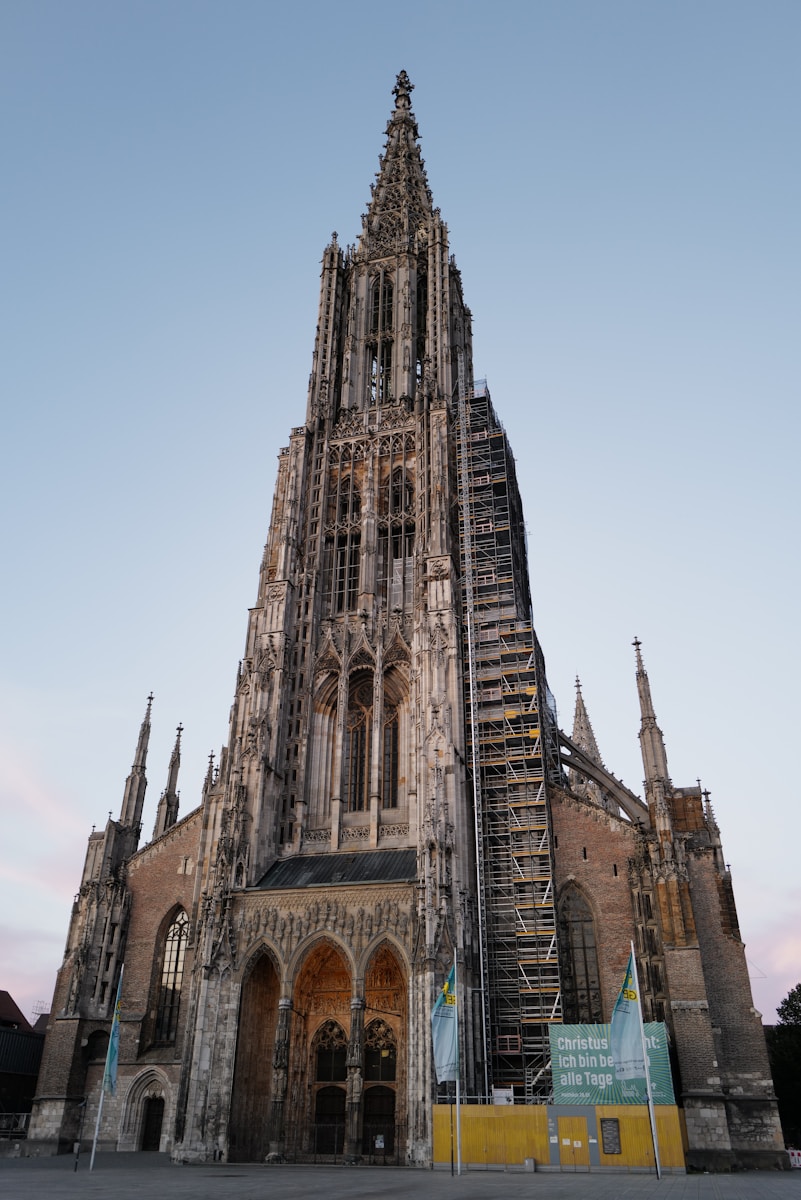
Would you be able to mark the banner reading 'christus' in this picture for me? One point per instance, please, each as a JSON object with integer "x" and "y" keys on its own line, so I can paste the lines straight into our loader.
{"x": 584, "y": 1071}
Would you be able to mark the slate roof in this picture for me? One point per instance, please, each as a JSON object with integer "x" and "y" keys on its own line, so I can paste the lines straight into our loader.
{"x": 325, "y": 870}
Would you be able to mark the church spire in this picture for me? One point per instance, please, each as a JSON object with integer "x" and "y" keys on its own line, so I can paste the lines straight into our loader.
{"x": 401, "y": 203}
{"x": 167, "y": 812}
{"x": 136, "y": 783}
{"x": 652, "y": 745}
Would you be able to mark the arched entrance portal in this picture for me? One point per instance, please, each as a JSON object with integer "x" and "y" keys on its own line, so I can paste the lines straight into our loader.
{"x": 153, "y": 1118}
{"x": 384, "y": 1102}
{"x": 249, "y": 1130}
{"x": 319, "y": 1047}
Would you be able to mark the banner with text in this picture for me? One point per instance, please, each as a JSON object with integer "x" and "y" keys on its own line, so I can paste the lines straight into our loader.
{"x": 584, "y": 1073}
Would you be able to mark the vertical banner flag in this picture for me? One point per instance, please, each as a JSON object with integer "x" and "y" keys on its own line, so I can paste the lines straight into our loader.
{"x": 445, "y": 1032}
{"x": 110, "y": 1073}
{"x": 625, "y": 1034}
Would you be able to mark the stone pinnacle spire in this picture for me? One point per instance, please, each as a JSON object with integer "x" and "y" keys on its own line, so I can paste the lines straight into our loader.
{"x": 583, "y": 734}
{"x": 584, "y": 737}
{"x": 652, "y": 745}
{"x": 136, "y": 783}
{"x": 167, "y": 812}
{"x": 401, "y": 201}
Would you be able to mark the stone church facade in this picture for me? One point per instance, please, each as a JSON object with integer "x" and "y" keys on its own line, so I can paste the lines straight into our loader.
{"x": 394, "y": 792}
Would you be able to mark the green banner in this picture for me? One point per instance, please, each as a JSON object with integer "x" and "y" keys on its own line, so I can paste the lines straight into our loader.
{"x": 584, "y": 1073}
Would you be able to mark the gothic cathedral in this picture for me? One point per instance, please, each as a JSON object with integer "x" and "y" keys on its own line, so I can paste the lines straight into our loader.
{"x": 394, "y": 795}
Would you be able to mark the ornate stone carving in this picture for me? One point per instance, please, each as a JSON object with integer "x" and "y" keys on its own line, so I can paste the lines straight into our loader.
{"x": 355, "y": 833}
{"x": 439, "y": 568}
{"x": 393, "y": 831}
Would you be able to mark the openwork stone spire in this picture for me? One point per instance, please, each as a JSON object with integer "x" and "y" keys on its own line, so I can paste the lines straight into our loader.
{"x": 584, "y": 737}
{"x": 401, "y": 201}
{"x": 583, "y": 734}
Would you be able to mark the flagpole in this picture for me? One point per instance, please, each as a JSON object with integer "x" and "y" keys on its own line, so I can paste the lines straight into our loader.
{"x": 110, "y": 1069}
{"x": 648, "y": 1095}
{"x": 97, "y": 1128}
{"x": 458, "y": 1068}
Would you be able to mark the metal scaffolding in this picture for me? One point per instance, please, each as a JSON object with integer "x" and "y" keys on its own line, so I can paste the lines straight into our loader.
{"x": 513, "y": 753}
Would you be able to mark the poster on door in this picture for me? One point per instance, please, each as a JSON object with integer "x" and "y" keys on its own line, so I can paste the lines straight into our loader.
{"x": 584, "y": 1072}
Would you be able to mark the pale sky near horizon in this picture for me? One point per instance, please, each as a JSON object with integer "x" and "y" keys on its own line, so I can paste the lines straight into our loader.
{"x": 622, "y": 186}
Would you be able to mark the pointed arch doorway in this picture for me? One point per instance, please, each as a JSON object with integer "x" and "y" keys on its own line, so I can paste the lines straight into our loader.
{"x": 249, "y": 1128}
{"x": 152, "y": 1120}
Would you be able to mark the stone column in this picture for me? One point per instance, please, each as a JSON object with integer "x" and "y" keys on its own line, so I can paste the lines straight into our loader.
{"x": 355, "y": 1083}
{"x": 280, "y": 1065}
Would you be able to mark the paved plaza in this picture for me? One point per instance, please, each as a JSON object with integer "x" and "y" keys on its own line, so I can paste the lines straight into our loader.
{"x": 152, "y": 1176}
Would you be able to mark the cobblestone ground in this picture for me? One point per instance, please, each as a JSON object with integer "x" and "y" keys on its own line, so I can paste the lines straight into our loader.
{"x": 153, "y": 1177}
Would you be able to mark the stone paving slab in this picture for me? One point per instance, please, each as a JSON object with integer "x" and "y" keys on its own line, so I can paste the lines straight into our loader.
{"x": 154, "y": 1177}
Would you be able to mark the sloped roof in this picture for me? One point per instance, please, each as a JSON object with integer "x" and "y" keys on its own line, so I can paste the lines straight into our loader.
{"x": 325, "y": 870}
{"x": 10, "y": 1015}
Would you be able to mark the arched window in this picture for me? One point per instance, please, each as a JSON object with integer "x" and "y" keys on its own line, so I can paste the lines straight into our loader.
{"x": 342, "y": 559}
{"x": 357, "y": 743}
{"x": 331, "y": 1053}
{"x": 380, "y": 1053}
{"x": 401, "y": 495}
{"x": 389, "y": 764}
{"x": 350, "y": 504}
{"x": 382, "y": 320}
{"x": 172, "y": 974}
{"x": 398, "y": 543}
{"x": 581, "y": 985}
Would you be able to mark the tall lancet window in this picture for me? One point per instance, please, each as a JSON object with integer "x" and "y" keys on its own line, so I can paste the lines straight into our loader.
{"x": 581, "y": 984}
{"x": 358, "y": 733}
{"x": 171, "y": 983}
{"x": 343, "y": 546}
{"x": 380, "y": 338}
{"x": 397, "y": 547}
{"x": 421, "y": 326}
{"x": 389, "y": 764}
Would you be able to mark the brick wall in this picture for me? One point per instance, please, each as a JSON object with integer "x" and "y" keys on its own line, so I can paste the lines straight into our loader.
{"x": 592, "y": 848}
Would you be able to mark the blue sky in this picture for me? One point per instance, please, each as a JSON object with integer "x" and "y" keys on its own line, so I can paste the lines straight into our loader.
{"x": 622, "y": 186}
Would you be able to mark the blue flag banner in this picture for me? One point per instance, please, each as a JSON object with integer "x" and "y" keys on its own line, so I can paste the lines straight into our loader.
{"x": 445, "y": 1031}
{"x": 110, "y": 1073}
{"x": 626, "y": 1036}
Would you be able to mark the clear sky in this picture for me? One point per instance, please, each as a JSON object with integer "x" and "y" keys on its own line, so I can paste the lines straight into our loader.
{"x": 622, "y": 185}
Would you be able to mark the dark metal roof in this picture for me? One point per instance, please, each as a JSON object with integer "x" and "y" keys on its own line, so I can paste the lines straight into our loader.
{"x": 322, "y": 870}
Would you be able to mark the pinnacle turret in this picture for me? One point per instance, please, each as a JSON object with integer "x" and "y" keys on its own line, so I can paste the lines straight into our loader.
{"x": 167, "y": 812}
{"x": 136, "y": 784}
{"x": 583, "y": 734}
{"x": 584, "y": 737}
{"x": 652, "y": 745}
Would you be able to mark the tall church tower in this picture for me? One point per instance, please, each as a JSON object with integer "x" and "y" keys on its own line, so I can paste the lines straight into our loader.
{"x": 340, "y": 808}
{"x": 392, "y": 799}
